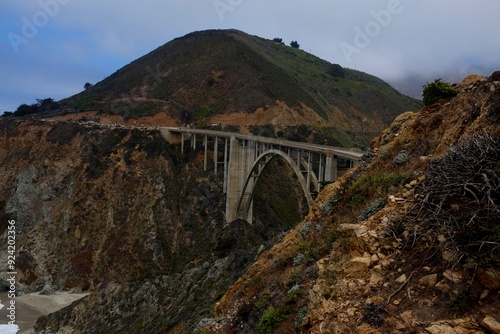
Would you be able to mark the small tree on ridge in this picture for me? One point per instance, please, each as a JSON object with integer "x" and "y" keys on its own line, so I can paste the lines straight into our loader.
{"x": 438, "y": 90}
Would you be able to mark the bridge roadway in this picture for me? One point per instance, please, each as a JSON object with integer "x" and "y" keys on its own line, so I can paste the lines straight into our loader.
{"x": 339, "y": 151}
{"x": 245, "y": 156}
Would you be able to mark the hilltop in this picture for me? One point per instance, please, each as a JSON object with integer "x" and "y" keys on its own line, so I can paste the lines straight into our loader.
{"x": 229, "y": 77}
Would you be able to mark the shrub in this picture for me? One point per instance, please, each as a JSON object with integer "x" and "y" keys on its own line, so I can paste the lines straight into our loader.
{"x": 301, "y": 314}
{"x": 438, "y": 90}
{"x": 294, "y": 44}
{"x": 303, "y": 246}
{"x": 298, "y": 133}
{"x": 255, "y": 130}
{"x": 462, "y": 194}
{"x": 336, "y": 70}
{"x": 462, "y": 301}
{"x": 398, "y": 226}
{"x": 25, "y": 109}
{"x": 304, "y": 253}
{"x": 371, "y": 186}
{"x": 231, "y": 128}
{"x": 255, "y": 283}
{"x": 271, "y": 319}
{"x": 372, "y": 314}
{"x": 265, "y": 130}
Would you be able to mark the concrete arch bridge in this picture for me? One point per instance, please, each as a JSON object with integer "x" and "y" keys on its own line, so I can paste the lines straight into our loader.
{"x": 244, "y": 157}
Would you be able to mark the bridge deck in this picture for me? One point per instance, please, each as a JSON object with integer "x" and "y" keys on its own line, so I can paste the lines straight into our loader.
{"x": 341, "y": 152}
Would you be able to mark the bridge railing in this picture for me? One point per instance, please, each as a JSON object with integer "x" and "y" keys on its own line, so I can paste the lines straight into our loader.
{"x": 348, "y": 154}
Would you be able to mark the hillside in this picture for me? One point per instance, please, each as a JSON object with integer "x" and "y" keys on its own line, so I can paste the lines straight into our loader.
{"x": 406, "y": 242}
{"x": 212, "y": 76}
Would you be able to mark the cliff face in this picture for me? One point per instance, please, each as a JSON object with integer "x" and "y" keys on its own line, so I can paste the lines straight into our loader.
{"x": 76, "y": 194}
{"x": 120, "y": 214}
{"x": 373, "y": 256}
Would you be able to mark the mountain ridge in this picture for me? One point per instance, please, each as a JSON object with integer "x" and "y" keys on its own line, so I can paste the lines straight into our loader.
{"x": 215, "y": 72}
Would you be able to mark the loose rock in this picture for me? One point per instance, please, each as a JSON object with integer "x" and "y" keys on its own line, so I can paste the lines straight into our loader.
{"x": 429, "y": 280}
{"x": 491, "y": 324}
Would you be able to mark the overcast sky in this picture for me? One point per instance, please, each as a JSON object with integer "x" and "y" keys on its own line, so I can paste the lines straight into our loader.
{"x": 51, "y": 48}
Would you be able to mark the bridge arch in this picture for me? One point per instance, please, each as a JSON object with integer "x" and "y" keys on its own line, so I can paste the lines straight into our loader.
{"x": 243, "y": 157}
{"x": 246, "y": 195}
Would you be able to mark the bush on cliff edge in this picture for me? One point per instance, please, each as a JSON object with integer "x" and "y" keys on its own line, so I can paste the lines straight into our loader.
{"x": 438, "y": 90}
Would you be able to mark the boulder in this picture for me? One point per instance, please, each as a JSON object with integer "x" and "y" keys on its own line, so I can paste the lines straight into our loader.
{"x": 491, "y": 324}
{"x": 358, "y": 265}
{"x": 490, "y": 278}
{"x": 429, "y": 280}
{"x": 443, "y": 287}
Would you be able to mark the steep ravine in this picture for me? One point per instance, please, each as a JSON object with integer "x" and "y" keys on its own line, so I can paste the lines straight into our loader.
{"x": 121, "y": 214}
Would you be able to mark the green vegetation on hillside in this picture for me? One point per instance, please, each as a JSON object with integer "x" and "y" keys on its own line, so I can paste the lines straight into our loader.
{"x": 219, "y": 71}
{"x": 41, "y": 106}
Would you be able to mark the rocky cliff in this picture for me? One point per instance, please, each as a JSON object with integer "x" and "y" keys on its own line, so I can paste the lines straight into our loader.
{"x": 388, "y": 248}
{"x": 392, "y": 247}
{"x": 121, "y": 214}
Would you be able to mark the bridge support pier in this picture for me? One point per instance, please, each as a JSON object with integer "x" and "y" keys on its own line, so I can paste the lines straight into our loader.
{"x": 233, "y": 181}
{"x": 331, "y": 171}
